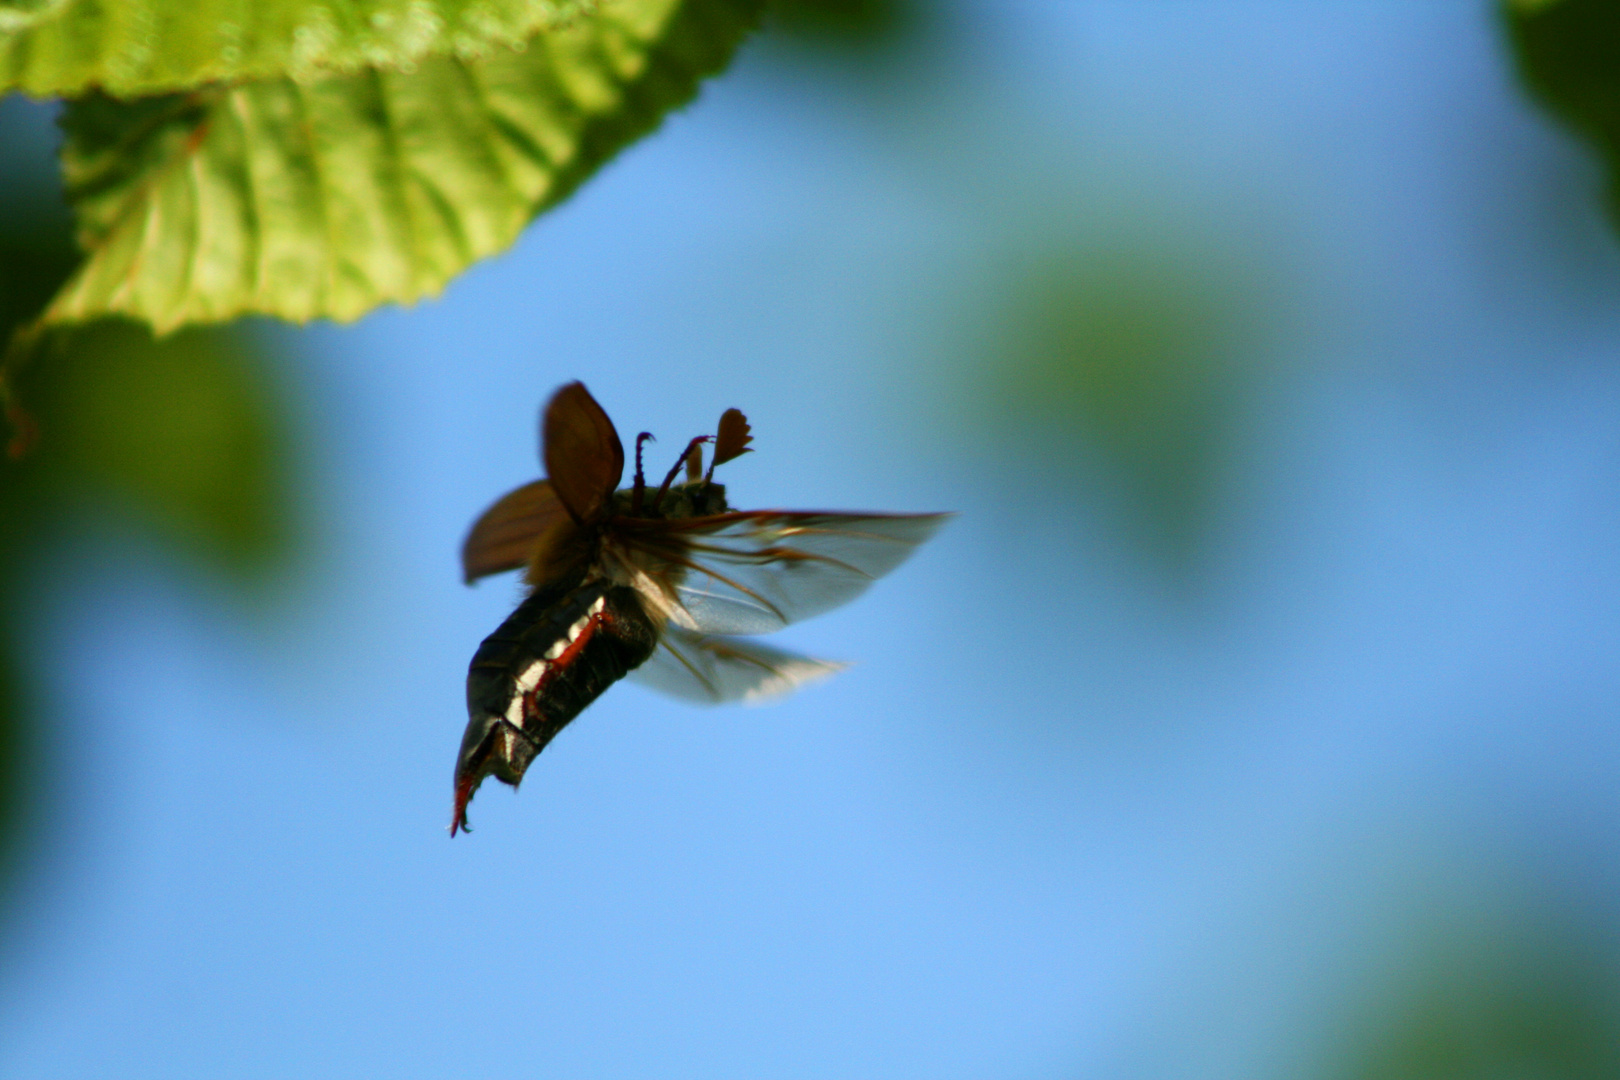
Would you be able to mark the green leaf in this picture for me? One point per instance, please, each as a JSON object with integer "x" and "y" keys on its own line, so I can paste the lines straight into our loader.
{"x": 326, "y": 199}
{"x": 1569, "y": 57}
{"x": 136, "y": 47}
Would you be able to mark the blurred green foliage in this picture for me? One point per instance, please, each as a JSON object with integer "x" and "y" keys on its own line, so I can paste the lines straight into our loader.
{"x": 1568, "y": 54}
{"x": 36, "y": 251}
{"x": 842, "y": 23}
{"x": 184, "y": 436}
{"x": 17, "y": 755}
{"x": 1537, "y": 1005}
{"x": 1124, "y": 363}
{"x": 179, "y": 434}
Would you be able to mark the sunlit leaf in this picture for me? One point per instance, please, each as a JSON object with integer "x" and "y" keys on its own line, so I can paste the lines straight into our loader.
{"x": 134, "y": 47}
{"x": 1569, "y": 58}
{"x": 327, "y": 198}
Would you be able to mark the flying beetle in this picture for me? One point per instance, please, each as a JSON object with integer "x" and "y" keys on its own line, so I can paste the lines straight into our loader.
{"x": 664, "y": 585}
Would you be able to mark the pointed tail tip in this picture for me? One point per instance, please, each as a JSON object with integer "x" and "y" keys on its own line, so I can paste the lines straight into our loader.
{"x": 458, "y": 819}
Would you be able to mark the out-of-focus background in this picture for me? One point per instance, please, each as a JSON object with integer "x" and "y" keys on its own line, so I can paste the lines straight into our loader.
{"x": 1255, "y": 718}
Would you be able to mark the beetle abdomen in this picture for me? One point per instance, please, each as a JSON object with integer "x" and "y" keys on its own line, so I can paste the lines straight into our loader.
{"x": 551, "y": 658}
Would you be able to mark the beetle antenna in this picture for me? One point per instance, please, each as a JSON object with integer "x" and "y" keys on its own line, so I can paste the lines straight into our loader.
{"x": 730, "y": 441}
{"x": 691, "y": 447}
{"x": 641, "y": 479}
